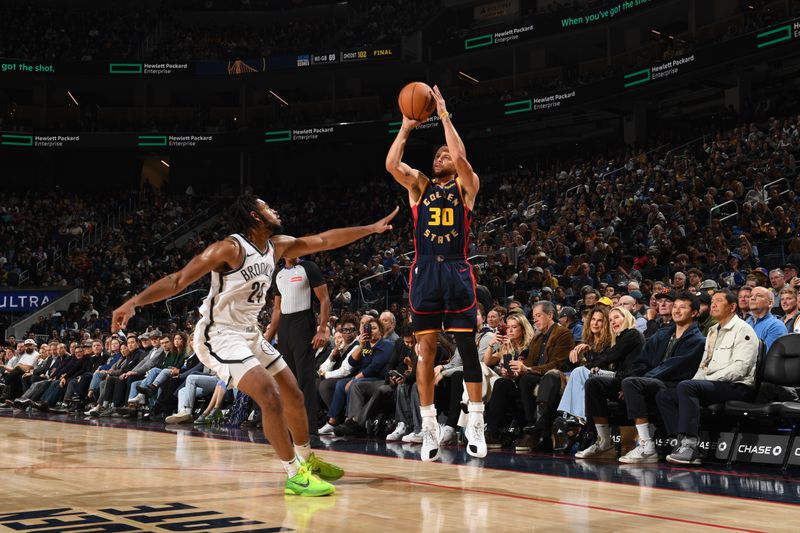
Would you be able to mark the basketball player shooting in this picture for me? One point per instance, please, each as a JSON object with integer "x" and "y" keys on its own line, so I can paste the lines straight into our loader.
{"x": 442, "y": 285}
{"x": 228, "y": 341}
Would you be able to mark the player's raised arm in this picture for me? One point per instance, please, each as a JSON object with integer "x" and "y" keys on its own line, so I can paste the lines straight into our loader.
{"x": 221, "y": 255}
{"x": 286, "y": 246}
{"x": 469, "y": 180}
{"x": 404, "y": 175}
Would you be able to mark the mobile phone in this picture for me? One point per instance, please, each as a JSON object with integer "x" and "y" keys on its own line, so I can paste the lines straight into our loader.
{"x": 367, "y": 329}
{"x": 501, "y": 329}
{"x": 397, "y": 375}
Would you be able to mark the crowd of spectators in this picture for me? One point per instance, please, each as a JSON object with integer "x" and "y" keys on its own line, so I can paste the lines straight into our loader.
{"x": 64, "y": 33}
{"x": 182, "y": 42}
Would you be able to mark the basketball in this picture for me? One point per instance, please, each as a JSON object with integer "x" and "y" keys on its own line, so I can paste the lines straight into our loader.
{"x": 416, "y": 101}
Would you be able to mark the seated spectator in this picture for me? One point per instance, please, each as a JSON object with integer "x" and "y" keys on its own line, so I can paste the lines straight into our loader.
{"x": 664, "y": 300}
{"x": 542, "y": 374}
{"x": 788, "y": 302}
{"x": 113, "y": 395}
{"x": 504, "y": 348}
{"x": 631, "y": 303}
{"x": 767, "y": 326}
{"x": 743, "y": 301}
{"x": 375, "y": 355}
{"x": 71, "y": 367}
{"x": 78, "y": 389}
{"x": 611, "y": 342}
{"x": 343, "y": 361}
{"x": 41, "y": 375}
{"x": 705, "y": 320}
{"x": 369, "y": 398}
{"x": 668, "y": 357}
{"x": 212, "y": 415}
{"x": 453, "y": 371}
{"x": 727, "y": 372}
{"x": 196, "y": 386}
{"x": 147, "y": 370}
{"x": 568, "y": 318}
{"x": 14, "y": 372}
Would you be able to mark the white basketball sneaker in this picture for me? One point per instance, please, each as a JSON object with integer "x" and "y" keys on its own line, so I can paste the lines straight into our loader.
{"x": 430, "y": 441}
{"x": 476, "y": 439}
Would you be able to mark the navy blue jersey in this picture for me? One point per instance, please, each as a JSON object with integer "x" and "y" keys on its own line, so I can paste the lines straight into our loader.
{"x": 441, "y": 221}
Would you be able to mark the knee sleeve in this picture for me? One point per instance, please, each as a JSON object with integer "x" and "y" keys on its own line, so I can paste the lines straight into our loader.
{"x": 469, "y": 357}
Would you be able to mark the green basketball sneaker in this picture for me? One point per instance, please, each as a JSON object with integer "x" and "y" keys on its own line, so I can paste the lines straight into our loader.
{"x": 323, "y": 469}
{"x": 304, "y": 483}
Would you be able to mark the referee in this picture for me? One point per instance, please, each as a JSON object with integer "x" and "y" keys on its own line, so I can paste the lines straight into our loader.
{"x": 293, "y": 320}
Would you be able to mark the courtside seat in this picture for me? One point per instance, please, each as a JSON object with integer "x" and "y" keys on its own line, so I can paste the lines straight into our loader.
{"x": 750, "y": 409}
{"x": 790, "y": 409}
{"x": 771, "y": 368}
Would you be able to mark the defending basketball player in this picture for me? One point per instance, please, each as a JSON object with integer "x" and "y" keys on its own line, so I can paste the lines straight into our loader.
{"x": 227, "y": 338}
{"x": 442, "y": 286}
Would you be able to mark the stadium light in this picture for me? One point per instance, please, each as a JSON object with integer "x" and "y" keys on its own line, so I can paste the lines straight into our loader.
{"x": 73, "y": 98}
{"x": 165, "y": 163}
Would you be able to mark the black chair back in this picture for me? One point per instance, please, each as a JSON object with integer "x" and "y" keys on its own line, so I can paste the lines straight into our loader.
{"x": 760, "y": 363}
{"x": 782, "y": 364}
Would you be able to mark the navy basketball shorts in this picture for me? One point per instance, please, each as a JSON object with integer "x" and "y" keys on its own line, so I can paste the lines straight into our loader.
{"x": 442, "y": 295}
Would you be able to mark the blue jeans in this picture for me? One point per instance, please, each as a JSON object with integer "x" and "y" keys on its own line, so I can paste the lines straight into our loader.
{"x": 339, "y": 400}
{"x": 197, "y": 385}
{"x": 148, "y": 380}
{"x": 97, "y": 378}
{"x": 680, "y": 407}
{"x": 162, "y": 377}
{"x": 573, "y": 400}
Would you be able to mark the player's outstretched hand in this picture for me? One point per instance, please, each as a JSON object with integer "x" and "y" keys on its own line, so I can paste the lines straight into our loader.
{"x": 121, "y": 315}
{"x": 383, "y": 225}
{"x": 441, "y": 107}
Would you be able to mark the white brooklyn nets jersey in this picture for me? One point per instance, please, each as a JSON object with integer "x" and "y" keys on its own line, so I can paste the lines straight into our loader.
{"x": 237, "y": 296}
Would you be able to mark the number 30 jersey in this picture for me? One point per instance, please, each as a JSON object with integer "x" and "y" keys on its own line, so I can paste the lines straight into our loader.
{"x": 441, "y": 221}
{"x": 237, "y": 296}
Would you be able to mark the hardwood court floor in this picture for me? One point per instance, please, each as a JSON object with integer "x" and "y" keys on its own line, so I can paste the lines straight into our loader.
{"x": 97, "y": 475}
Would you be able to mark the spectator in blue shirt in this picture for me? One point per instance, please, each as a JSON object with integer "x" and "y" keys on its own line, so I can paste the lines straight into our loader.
{"x": 767, "y": 326}
{"x": 568, "y": 318}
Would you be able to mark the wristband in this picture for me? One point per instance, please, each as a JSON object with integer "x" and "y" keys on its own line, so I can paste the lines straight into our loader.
{"x": 445, "y": 115}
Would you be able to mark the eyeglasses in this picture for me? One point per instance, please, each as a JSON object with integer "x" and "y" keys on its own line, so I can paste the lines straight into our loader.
{"x": 348, "y": 330}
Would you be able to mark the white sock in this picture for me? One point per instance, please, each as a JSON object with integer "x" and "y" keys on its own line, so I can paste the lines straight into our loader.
{"x": 603, "y": 434}
{"x": 303, "y": 451}
{"x": 291, "y": 467}
{"x": 475, "y": 412}
{"x": 428, "y": 413}
{"x": 644, "y": 433}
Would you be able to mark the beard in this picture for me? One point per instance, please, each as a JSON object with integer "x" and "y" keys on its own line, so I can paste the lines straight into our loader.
{"x": 275, "y": 229}
{"x": 441, "y": 173}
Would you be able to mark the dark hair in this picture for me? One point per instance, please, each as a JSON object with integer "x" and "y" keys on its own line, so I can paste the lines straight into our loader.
{"x": 406, "y": 331}
{"x": 687, "y": 296}
{"x": 348, "y": 318}
{"x": 378, "y": 322}
{"x": 239, "y": 219}
{"x": 729, "y": 296}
